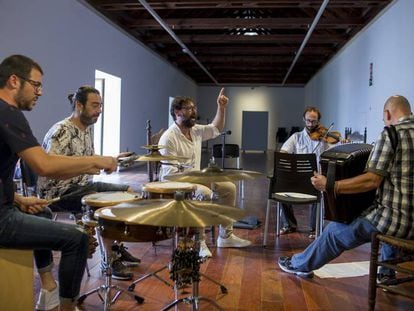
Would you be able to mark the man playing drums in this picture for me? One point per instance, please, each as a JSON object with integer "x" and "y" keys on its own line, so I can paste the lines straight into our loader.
{"x": 73, "y": 137}
{"x": 184, "y": 138}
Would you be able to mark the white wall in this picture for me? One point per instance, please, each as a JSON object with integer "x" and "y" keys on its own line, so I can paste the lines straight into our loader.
{"x": 285, "y": 107}
{"x": 342, "y": 90}
{"x": 70, "y": 41}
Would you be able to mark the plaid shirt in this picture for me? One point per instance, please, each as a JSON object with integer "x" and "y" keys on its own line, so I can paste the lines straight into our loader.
{"x": 393, "y": 209}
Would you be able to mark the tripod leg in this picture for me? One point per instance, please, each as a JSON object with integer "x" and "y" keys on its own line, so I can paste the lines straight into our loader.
{"x": 146, "y": 276}
{"x": 222, "y": 287}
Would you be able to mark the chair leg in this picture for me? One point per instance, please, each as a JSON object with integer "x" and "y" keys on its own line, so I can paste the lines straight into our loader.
{"x": 373, "y": 267}
{"x": 278, "y": 211}
{"x": 266, "y": 226}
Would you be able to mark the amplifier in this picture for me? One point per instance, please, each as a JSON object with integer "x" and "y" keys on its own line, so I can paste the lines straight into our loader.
{"x": 340, "y": 162}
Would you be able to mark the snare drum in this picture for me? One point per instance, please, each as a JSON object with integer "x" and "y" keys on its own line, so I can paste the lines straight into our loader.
{"x": 166, "y": 190}
{"x": 110, "y": 198}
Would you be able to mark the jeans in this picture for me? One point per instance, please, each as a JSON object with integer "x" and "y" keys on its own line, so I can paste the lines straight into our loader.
{"x": 71, "y": 200}
{"x": 387, "y": 253}
{"x": 334, "y": 240}
{"x": 41, "y": 234}
{"x": 288, "y": 218}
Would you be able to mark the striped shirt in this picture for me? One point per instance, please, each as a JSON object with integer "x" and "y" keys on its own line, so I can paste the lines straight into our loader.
{"x": 393, "y": 209}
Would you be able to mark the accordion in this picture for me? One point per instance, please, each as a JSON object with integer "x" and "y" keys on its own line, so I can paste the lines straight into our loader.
{"x": 342, "y": 162}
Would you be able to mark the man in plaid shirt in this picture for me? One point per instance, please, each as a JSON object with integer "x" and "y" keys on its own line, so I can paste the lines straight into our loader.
{"x": 391, "y": 172}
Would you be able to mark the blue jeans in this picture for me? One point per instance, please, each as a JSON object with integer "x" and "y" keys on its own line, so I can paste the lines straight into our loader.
{"x": 41, "y": 234}
{"x": 387, "y": 253}
{"x": 334, "y": 240}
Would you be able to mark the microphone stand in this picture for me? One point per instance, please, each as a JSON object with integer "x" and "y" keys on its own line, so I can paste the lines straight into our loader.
{"x": 223, "y": 149}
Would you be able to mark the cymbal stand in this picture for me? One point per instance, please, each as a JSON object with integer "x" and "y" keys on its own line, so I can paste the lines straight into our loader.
{"x": 104, "y": 291}
{"x": 155, "y": 273}
{"x": 192, "y": 270}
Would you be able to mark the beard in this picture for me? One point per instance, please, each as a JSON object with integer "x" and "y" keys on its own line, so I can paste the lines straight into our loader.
{"x": 23, "y": 103}
{"x": 87, "y": 120}
{"x": 311, "y": 129}
{"x": 189, "y": 122}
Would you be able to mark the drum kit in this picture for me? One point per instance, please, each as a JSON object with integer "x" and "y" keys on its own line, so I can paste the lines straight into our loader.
{"x": 163, "y": 208}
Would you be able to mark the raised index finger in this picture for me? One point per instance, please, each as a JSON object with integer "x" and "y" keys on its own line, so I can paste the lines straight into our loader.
{"x": 221, "y": 91}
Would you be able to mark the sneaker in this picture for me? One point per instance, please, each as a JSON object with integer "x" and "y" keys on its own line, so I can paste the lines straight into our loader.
{"x": 126, "y": 257}
{"x": 287, "y": 230}
{"x": 386, "y": 279}
{"x": 48, "y": 300}
{"x": 232, "y": 241}
{"x": 312, "y": 235}
{"x": 120, "y": 271}
{"x": 204, "y": 251}
{"x": 285, "y": 264}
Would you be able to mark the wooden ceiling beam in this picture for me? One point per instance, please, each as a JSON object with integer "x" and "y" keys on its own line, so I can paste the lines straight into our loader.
{"x": 234, "y": 23}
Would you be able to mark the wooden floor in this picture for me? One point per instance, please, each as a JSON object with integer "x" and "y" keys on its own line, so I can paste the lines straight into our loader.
{"x": 251, "y": 275}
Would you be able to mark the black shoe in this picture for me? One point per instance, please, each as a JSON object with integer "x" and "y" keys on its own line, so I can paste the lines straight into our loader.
{"x": 386, "y": 279}
{"x": 287, "y": 230}
{"x": 120, "y": 271}
{"x": 285, "y": 264}
{"x": 125, "y": 256}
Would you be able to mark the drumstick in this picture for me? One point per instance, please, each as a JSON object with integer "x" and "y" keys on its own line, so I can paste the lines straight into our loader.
{"x": 50, "y": 201}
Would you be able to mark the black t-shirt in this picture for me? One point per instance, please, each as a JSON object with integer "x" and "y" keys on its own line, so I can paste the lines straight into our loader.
{"x": 15, "y": 136}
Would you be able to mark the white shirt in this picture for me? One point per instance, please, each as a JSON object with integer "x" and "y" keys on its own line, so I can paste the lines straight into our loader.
{"x": 179, "y": 145}
{"x": 300, "y": 142}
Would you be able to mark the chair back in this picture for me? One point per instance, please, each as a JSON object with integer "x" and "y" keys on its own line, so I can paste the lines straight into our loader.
{"x": 230, "y": 151}
{"x": 292, "y": 173}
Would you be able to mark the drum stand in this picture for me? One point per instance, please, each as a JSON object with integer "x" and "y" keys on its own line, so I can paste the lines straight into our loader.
{"x": 193, "y": 272}
{"x": 104, "y": 291}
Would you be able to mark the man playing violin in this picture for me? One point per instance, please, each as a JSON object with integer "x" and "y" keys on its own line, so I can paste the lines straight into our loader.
{"x": 309, "y": 140}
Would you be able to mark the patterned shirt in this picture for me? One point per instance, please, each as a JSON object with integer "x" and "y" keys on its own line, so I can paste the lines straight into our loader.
{"x": 393, "y": 209}
{"x": 65, "y": 138}
{"x": 179, "y": 145}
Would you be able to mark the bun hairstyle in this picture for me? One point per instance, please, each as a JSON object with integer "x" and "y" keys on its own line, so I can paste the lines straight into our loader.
{"x": 81, "y": 95}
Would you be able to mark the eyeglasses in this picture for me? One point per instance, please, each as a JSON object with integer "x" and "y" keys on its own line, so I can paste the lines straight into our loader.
{"x": 311, "y": 121}
{"x": 194, "y": 108}
{"x": 36, "y": 84}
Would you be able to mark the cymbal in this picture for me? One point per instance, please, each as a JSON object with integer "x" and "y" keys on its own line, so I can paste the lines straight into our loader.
{"x": 170, "y": 213}
{"x": 153, "y": 147}
{"x": 213, "y": 174}
{"x": 156, "y": 156}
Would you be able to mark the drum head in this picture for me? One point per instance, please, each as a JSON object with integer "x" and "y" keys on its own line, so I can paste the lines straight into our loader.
{"x": 168, "y": 187}
{"x": 110, "y": 198}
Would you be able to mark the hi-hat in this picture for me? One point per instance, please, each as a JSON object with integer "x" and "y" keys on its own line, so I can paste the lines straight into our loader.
{"x": 213, "y": 174}
{"x": 170, "y": 213}
{"x": 153, "y": 147}
{"x": 156, "y": 156}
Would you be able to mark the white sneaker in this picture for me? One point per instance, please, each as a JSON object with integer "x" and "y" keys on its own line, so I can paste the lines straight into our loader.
{"x": 48, "y": 300}
{"x": 204, "y": 251}
{"x": 232, "y": 241}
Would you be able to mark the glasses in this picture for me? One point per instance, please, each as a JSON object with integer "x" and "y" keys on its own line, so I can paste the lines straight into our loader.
{"x": 36, "y": 84}
{"x": 194, "y": 108}
{"x": 311, "y": 121}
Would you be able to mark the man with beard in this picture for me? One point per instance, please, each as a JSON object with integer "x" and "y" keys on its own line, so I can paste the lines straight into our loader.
{"x": 184, "y": 138}
{"x": 20, "y": 228}
{"x": 301, "y": 142}
{"x": 73, "y": 137}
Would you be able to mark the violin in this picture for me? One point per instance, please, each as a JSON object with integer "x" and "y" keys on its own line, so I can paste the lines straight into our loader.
{"x": 325, "y": 134}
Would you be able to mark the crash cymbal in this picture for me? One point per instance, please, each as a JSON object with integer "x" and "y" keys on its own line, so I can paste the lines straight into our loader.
{"x": 170, "y": 213}
{"x": 213, "y": 174}
{"x": 156, "y": 156}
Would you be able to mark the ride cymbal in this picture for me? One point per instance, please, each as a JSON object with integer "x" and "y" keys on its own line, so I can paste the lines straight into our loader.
{"x": 213, "y": 174}
{"x": 170, "y": 213}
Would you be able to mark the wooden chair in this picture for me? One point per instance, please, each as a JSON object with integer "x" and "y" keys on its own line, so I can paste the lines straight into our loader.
{"x": 290, "y": 184}
{"x": 404, "y": 265}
